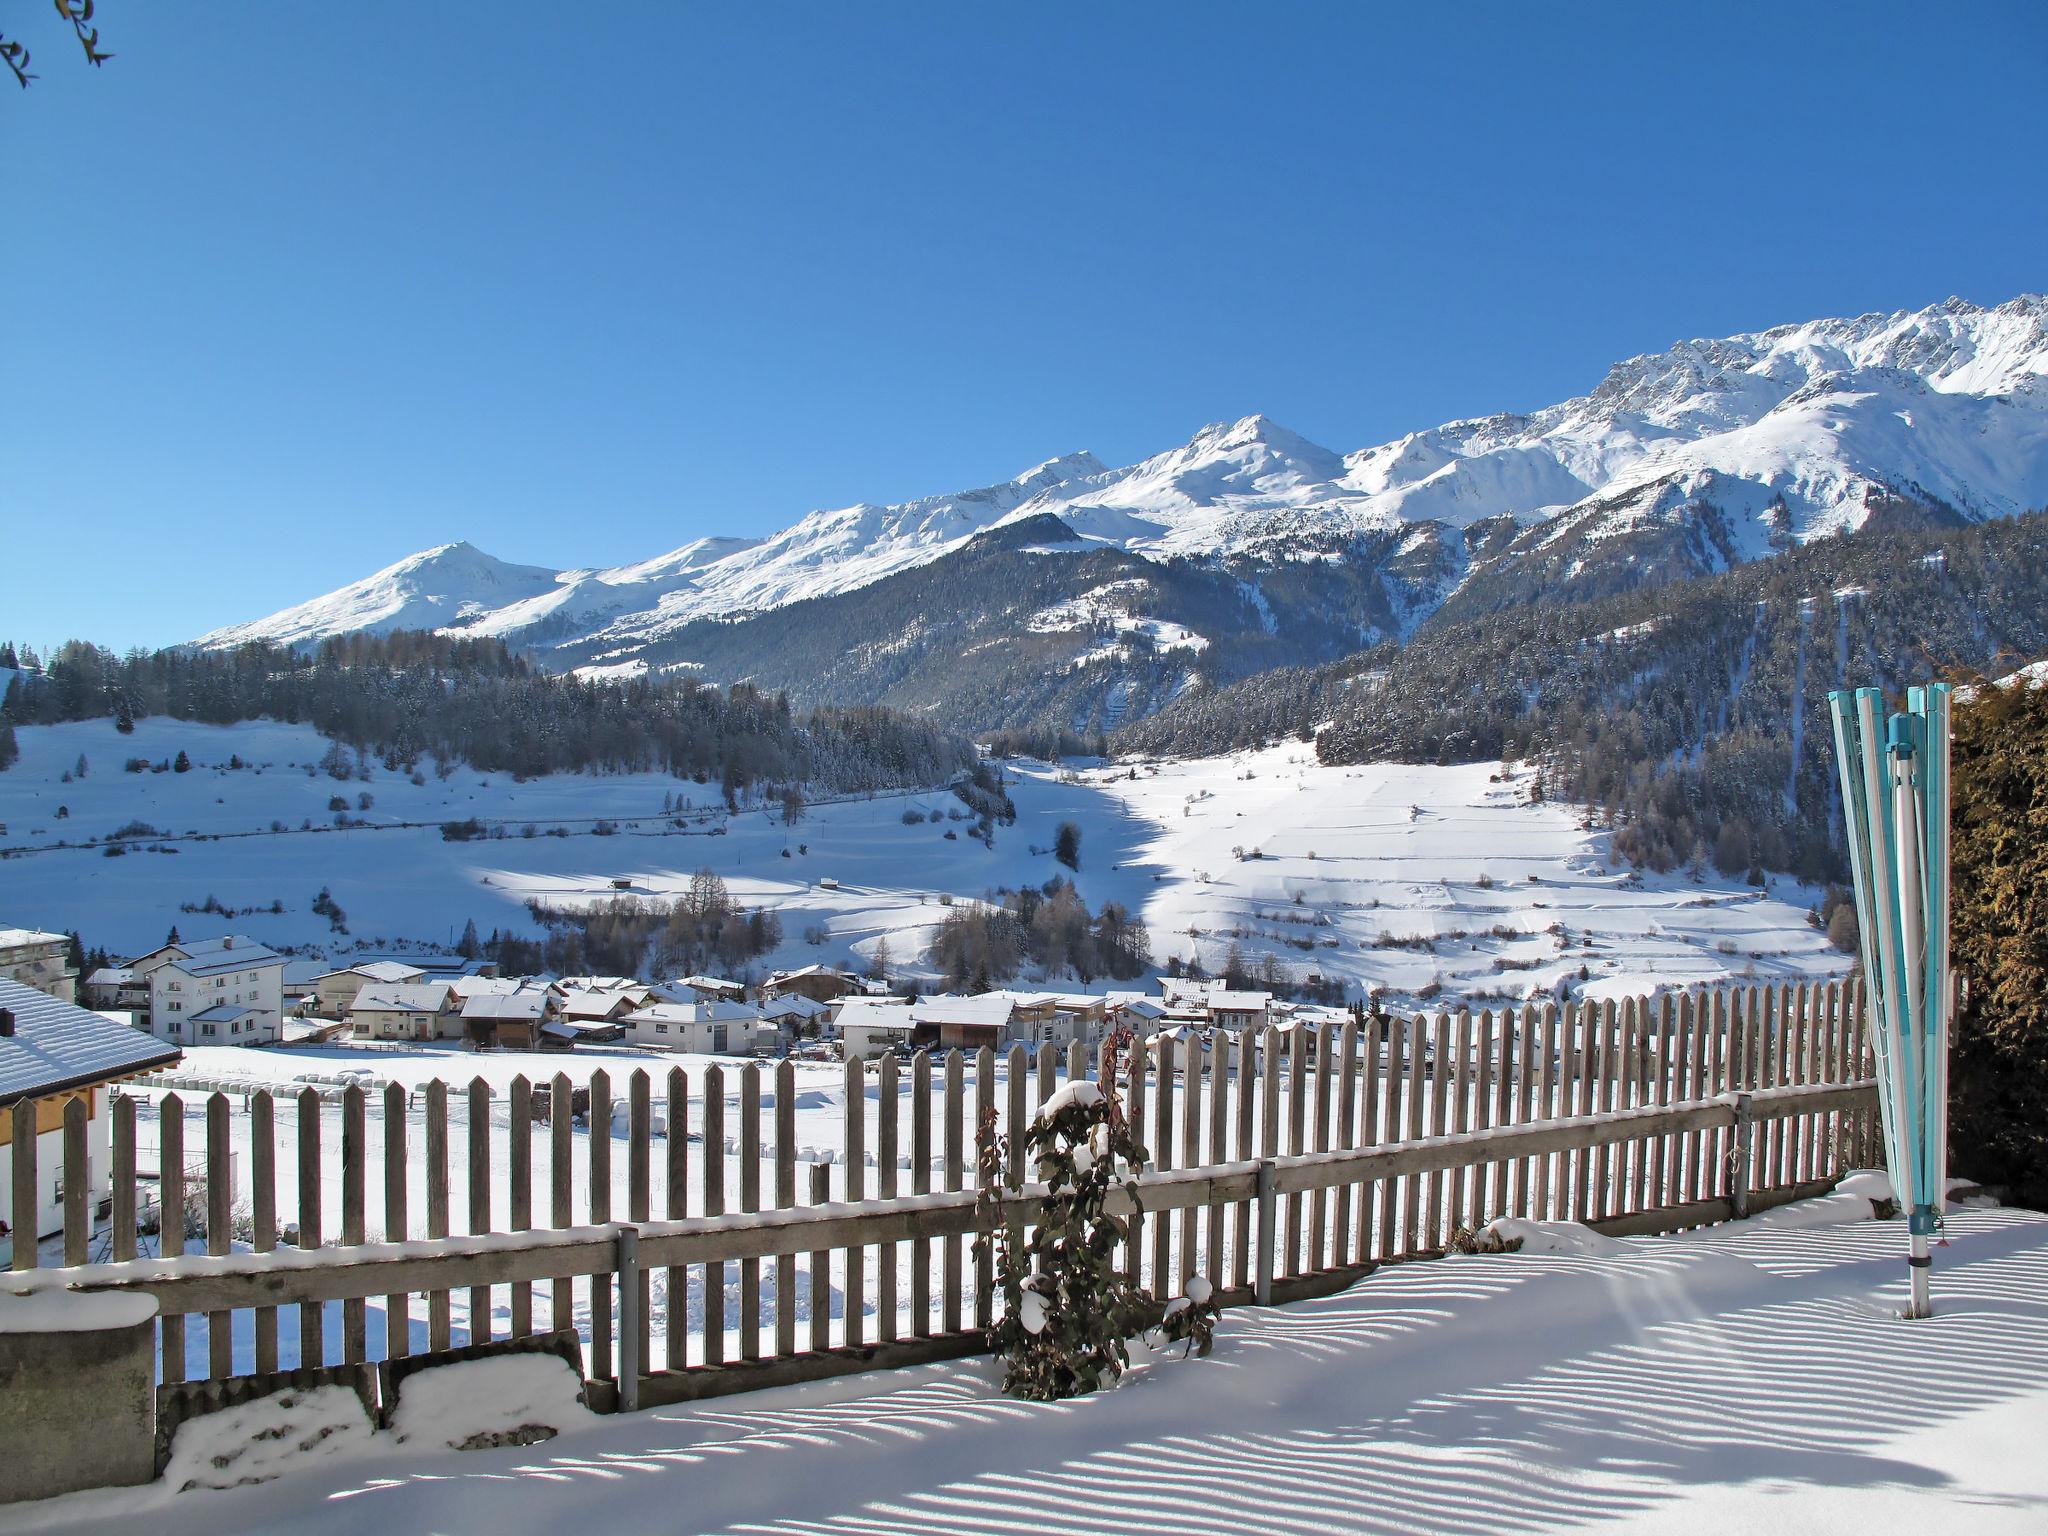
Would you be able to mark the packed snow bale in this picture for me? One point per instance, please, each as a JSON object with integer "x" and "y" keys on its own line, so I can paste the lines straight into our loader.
{"x": 256, "y": 1441}
{"x": 480, "y": 1404}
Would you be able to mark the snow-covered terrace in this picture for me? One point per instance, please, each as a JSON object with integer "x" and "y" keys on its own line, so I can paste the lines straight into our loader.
{"x": 1745, "y": 1378}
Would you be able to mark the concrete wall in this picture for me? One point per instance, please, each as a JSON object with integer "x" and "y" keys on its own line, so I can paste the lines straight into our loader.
{"x": 77, "y": 1404}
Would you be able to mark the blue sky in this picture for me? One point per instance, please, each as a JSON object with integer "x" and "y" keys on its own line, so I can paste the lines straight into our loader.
{"x": 294, "y": 290}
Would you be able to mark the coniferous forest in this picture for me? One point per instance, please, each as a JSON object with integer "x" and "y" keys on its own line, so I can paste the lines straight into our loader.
{"x": 411, "y": 697}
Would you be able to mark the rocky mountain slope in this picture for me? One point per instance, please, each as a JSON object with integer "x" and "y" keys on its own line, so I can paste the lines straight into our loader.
{"x": 1095, "y": 595}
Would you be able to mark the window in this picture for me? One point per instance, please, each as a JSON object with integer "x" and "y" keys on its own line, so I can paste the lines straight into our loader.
{"x": 208, "y": 1029}
{"x": 661, "y": 1029}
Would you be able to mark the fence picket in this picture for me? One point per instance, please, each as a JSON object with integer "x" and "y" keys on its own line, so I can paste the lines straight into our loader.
{"x": 479, "y": 1110}
{"x": 1134, "y": 1112}
{"x": 1475, "y": 1209}
{"x": 1296, "y": 1205}
{"x": 1018, "y": 1119}
{"x": 750, "y": 1201}
{"x": 262, "y": 1202}
{"x": 887, "y": 1156}
{"x": 1219, "y": 1128}
{"x": 640, "y": 1205}
{"x": 170, "y": 1239}
{"x": 951, "y": 1266}
{"x": 1190, "y": 1157}
{"x": 25, "y": 1212}
{"x": 1521, "y": 1035}
{"x": 1550, "y": 1171}
{"x": 984, "y": 1114}
{"x": 821, "y": 1265}
{"x": 1347, "y": 1137}
{"x": 1162, "y": 1159}
{"x": 785, "y": 1197}
{"x": 312, "y": 1324}
{"x": 1417, "y": 1101}
{"x": 675, "y": 1279}
{"x": 1442, "y": 1069}
{"x": 121, "y": 1222}
{"x": 518, "y": 1183}
{"x": 921, "y": 1184}
{"x": 602, "y": 1365}
{"x": 561, "y": 1192}
{"x": 397, "y": 1308}
{"x": 1396, "y": 1080}
{"x": 1372, "y": 1066}
{"x": 438, "y": 1321}
{"x": 854, "y": 1307}
{"x": 354, "y": 1169}
{"x": 1459, "y": 1080}
{"x": 78, "y": 1226}
{"x": 714, "y": 1205}
{"x": 1248, "y": 1092}
{"x": 1319, "y": 1198}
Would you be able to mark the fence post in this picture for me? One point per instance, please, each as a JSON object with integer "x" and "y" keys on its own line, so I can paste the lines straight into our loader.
{"x": 1269, "y": 1228}
{"x": 630, "y": 1363}
{"x": 1739, "y": 1154}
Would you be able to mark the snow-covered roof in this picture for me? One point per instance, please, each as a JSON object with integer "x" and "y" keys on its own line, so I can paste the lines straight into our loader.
{"x": 875, "y": 1013}
{"x": 111, "y": 976}
{"x": 810, "y": 970}
{"x": 1239, "y": 1002}
{"x": 466, "y": 987}
{"x": 600, "y": 1003}
{"x": 1141, "y": 1008}
{"x": 710, "y": 984}
{"x": 19, "y": 938}
{"x": 595, "y": 983}
{"x": 58, "y": 1045}
{"x": 377, "y": 970}
{"x": 984, "y": 1012}
{"x": 403, "y": 997}
{"x": 505, "y": 1007}
{"x": 211, "y": 957}
{"x": 718, "y": 1011}
{"x": 222, "y": 1013}
{"x": 797, "y": 1006}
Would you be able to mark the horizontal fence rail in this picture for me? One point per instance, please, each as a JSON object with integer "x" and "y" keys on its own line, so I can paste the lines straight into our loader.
{"x": 1281, "y": 1164}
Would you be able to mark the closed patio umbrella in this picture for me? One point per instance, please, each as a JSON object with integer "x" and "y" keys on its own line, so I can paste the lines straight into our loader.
{"x": 1895, "y": 799}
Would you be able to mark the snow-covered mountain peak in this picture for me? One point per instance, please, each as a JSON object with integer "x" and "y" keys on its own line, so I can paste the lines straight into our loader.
{"x": 1793, "y": 432}
{"x": 450, "y": 584}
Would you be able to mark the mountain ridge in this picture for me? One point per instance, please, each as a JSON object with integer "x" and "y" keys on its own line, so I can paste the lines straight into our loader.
{"x": 1711, "y": 453}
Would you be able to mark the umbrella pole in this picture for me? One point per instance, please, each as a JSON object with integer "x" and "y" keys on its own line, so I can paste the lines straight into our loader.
{"x": 1912, "y": 898}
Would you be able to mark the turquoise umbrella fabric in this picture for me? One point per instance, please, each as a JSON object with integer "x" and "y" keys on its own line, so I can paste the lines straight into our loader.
{"x": 1895, "y": 802}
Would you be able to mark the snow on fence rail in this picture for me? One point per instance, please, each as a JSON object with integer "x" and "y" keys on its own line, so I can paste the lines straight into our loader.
{"x": 1638, "y": 1117}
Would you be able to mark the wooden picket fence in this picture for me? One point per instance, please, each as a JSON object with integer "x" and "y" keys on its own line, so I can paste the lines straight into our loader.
{"x": 1281, "y": 1166}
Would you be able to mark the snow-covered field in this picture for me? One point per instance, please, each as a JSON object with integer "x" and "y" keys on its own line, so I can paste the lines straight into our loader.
{"x": 1752, "y": 1377}
{"x": 1403, "y": 877}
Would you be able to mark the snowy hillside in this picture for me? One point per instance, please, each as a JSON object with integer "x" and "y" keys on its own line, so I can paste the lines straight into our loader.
{"x": 1774, "y": 437}
{"x": 1409, "y": 878}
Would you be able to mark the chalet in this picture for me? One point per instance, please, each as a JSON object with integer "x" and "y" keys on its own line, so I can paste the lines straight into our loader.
{"x": 1237, "y": 1011}
{"x": 189, "y": 979}
{"x": 1136, "y": 1012}
{"x": 508, "y": 1020}
{"x": 335, "y": 991}
{"x": 963, "y": 1023}
{"x": 797, "y": 1017}
{"x": 566, "y": 1034}
{"x": 707, "y": 989}
{"x": 118, "y": 988}
{"x": 820, "y": 983}
{"x": 406, "y": 1010}
{"x": 606, "y": 1005}
{"x": 710, "y": 1029}
{"x": 53, "y": 1052}
{"x": 874, "y": 1026}
{"x": 40, "y": 960}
